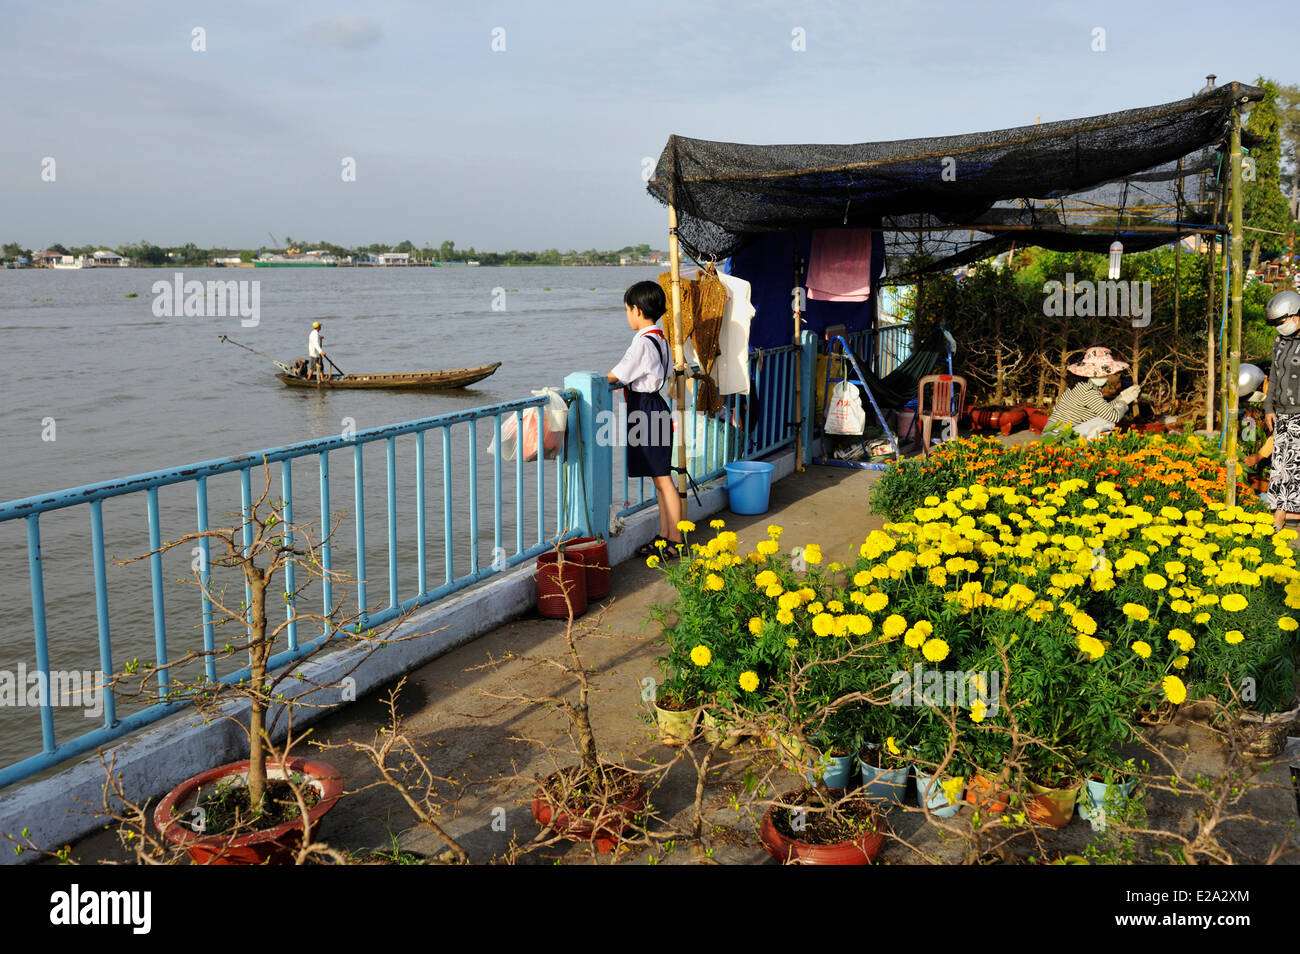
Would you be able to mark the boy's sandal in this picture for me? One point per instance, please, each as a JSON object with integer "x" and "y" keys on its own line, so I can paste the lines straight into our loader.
{"x": 647, "y": 549}
{"x": 672, "y": 551}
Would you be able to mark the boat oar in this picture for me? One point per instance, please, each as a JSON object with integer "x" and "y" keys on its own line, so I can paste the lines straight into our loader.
{"x": 279, "y": 364}
{"x": 335, "y": 366}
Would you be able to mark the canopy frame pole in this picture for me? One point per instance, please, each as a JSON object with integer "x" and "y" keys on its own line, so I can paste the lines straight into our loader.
{"x": 1211, "y": 313}
{"x": 798, "y": 360}
{"x": 678, "y": 348}
{"x": 1234, "y": 341}
{"x": 1178, "y": 255}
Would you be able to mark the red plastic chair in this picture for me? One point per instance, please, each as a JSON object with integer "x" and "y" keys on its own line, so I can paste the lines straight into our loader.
{"x": 941, "y": 407}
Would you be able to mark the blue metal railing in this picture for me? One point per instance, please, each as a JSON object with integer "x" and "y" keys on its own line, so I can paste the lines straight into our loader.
{"x": 526, "y": 544}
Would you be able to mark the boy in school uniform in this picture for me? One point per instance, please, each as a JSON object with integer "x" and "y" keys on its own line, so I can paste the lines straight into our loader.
{"x": 641, "y": 373}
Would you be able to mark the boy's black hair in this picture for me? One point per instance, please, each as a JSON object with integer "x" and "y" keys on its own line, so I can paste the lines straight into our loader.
{"x": 649, "y": 297}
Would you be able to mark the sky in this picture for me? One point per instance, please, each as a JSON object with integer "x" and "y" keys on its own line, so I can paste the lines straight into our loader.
{"x": 526, "y": 125}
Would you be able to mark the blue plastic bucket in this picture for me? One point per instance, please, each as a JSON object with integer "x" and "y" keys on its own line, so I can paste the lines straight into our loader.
{"x": 748, "y": 485}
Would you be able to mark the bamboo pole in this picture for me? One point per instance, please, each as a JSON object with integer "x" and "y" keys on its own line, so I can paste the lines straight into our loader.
{"x": 1211, "y": 313}
{"x": 1234, "y": 341}
{"x": 1178, "y": 255}
{"x": 679, "y": 361}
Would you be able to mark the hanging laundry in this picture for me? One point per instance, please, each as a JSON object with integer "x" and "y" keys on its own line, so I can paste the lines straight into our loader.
{"x": 731, "y": 372}
{"x": 839, "y": 265}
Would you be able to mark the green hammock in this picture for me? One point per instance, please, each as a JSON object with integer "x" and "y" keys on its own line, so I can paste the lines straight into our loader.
{"x": 898, "y": 387}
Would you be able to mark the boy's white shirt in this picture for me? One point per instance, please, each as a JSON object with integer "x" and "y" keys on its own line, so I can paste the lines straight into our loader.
{"x": 642, "y": 366}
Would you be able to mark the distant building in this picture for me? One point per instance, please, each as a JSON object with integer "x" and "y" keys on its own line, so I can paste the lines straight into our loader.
{"x": 390, "y": 258}
{"x": 107, "y": 259}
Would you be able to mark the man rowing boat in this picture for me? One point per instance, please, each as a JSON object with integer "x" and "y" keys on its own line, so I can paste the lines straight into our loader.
{"x": 316, "y": 352}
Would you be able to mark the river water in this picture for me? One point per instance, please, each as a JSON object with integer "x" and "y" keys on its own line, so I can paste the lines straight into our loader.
{"x": 97, "y": 386}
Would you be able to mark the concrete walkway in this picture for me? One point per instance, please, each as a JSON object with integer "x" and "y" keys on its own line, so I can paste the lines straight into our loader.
{"x": 491, "y": 746}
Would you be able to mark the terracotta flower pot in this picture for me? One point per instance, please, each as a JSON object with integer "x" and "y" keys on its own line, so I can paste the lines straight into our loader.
{"x": 1002, "y": 419}
{"x": 277, "y": 845}
{"x": 605, "y": 829}
{"x": 860, "y": 851}
{"x": 1038, "y": 417}
{"x": 1053, "y": 807}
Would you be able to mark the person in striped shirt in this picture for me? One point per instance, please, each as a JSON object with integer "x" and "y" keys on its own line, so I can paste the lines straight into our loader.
{"x": 1082, "y": 405}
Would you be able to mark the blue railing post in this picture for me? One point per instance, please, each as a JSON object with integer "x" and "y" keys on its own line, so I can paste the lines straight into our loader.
{"x": 807, "y": 368}
{"x": 591, "y": 459}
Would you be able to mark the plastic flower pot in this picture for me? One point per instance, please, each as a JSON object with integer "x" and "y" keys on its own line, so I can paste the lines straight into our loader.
{"x": 604, "y": 825}
{"x": 175, "y": 814}
{"x": 1053, "y": 807}
{"x": 676, "y": 726}
{"x": 861, "y": 850}
{"x": 715, "y": 730}
{"x": 879, "y": 783}
{"x": 595, "y": 560}
{"x": 983, "y": 793}
{"x": 836, "y": 771}
{"x": 559, "y": 574}
{"x": 929, "y": 791}
{"x": 1095, "y": 795}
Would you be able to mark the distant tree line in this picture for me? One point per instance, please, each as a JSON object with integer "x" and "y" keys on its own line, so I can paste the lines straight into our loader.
{"x": 147, "y": 253}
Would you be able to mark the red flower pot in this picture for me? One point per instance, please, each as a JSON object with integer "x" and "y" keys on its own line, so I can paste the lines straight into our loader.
{"x": 860, "y": 851}
{"x": 1003, "y": 419}
{"x": 559, "y": 574}
{"x": 271, "y": 845}
{"x": 595, "y": 559}
{"x": 1038, "y": 417}
{"x": 606, "y": 829}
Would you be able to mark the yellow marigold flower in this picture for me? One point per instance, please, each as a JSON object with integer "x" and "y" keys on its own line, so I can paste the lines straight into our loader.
{"x": 812, "y": 554}
{"x": 1183, "y": 638}
{"x": 1142, "y": 648}
{"x": 823, "y": 624}
{"x": 935, "y": 650}
{"x": 1181, "y": 606}
{"x": 792, "y": 642}
{"x": 1287, "y": 623}
{"x": 978, "y": 710}
{"x": 701, "y": 655}
{"x": 1181, "y": 662}
{"x": 858, "y": 624}
{"x": 875, "y": 602}
{"x": 1233, "y": 636}
{"x": 717, "y": 524}
{"x": 937, "y": 576}
{"x": 914, "y": 638}
{"x": 1090, "y": 645}
{"x": 660, "y": 544}
{"x": 685, "y": 526}
{"x": 776, "y": 589}
{"x": 1234, "y": 602}
{"x": 749, "y": 681}
{"x": 1201, "y": 618}
{"x": 862, "y": 578}
{"x": 774, "y": 531}
{"x": 1174, "y": 689}
{"x": 814, "y": 608}
{"x": 806, "y": 593}
{"x": 784, "y": 617}
{"x": 1153, "y": 581}
{"x": 923, "y": 626}
{"x": 1084, "y": 623}
{"x": 713, "y": 582}
{"x": 767, "y": 547}
{"x": 835, "y": 606}
{"x": 756, "y": 626}
{"x": 894, "y": 626}
{"x": 1136, "y": 611}
{"x": 652, "y": 561}
{"x": 789, "y": 601}
{"x": 892, "y": 746}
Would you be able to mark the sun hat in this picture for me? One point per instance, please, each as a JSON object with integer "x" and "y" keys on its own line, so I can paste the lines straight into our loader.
{"x": 315, "y": 324}
{"x": 1098, "y": 362}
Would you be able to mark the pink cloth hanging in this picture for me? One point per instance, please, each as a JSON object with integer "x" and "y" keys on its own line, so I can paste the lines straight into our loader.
{"x": 839, "y": 265}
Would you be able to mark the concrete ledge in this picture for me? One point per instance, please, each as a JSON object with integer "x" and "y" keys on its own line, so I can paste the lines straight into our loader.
{"x": 63, "y": 807}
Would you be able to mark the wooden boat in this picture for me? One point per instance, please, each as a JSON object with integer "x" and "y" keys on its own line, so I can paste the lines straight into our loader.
{"x": 414, "y": 380}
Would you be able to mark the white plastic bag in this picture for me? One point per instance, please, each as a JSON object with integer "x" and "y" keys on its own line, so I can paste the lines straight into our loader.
{"x": 845, "y": 415}
{"x": 555, "y": 419}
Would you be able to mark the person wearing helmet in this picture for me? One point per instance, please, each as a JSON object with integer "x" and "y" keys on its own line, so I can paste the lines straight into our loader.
{"x": 1282, "y": 406}
{"x": 316, "y": 352}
